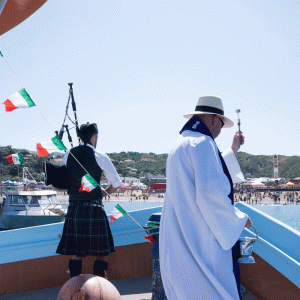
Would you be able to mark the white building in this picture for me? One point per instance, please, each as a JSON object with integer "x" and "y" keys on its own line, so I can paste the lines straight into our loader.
{"x": 129, "y": 180}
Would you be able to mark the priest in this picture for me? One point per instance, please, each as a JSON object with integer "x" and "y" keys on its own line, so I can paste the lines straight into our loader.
{"x": 200, "y": 226}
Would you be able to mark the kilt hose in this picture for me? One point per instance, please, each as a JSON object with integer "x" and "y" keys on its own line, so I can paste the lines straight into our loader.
{"x": 86, "y": 230}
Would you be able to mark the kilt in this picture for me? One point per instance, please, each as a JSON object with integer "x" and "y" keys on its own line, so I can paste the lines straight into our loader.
{"x": 86, "y": 230}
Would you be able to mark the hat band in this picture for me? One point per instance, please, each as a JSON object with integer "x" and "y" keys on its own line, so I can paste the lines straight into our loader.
{"x": 209, "y": 109}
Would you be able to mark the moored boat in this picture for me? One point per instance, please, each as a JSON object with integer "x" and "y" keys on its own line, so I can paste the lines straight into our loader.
{"x": 31, "y": 208}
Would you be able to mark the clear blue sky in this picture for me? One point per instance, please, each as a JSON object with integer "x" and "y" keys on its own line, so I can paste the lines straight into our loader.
{"x": 138, "y": 66}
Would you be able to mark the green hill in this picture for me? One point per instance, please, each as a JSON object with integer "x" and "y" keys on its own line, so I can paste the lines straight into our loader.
{"x": 137, "y": 164}
{"x": 14, "y": 172}
{"x": 262, "y": 165}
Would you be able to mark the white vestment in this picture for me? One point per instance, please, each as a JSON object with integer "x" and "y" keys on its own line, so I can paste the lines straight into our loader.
{"x": 199, "y": 225}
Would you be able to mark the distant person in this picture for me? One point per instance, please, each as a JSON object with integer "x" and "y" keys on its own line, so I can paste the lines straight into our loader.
{"x": 86, "y": 230}
{"x": 200, "y": 225}
{"x": 3, "y": 201}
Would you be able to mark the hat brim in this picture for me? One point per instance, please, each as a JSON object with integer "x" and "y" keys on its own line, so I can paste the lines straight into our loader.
{"x": 227, "y": 122}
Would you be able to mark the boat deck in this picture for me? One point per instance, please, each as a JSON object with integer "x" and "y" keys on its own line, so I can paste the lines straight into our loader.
{"x": 130, "y": 289}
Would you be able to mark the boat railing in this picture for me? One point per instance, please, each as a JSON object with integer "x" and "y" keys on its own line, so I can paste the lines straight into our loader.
{"x": 42, "y": 204}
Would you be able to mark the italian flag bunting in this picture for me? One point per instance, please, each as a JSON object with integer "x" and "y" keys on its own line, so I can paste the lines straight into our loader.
{"x": 87, "y": 183}
{"x": 117, "y": 213}
{"x": 48, "y": 147}
{"x": 150, "y": 238}
{"x": 15, "y": 159}
{"x": 20, "y": 99}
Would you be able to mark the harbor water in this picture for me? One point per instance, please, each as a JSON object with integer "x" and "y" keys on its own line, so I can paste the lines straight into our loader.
{"x": 288, "y": 214}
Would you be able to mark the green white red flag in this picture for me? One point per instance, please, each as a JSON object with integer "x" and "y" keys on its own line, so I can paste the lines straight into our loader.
{"x": 117, "y": 213}
{"x": 45, "y": 148}
{"x": 88, "y": 183}
{"x": 15, "y": 159}
{"x": 20, "y": 99}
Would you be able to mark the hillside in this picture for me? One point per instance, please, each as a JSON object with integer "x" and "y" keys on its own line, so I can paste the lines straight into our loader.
{"x": 143, "y": 163}
{"x": 137, "y": 164}
{"x": 262, "y": 165}
{"x": 132, "y": 164}
{"x": 31, "y": 160}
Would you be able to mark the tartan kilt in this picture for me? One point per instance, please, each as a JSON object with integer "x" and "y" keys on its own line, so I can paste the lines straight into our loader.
{"x": 86, "y": 231}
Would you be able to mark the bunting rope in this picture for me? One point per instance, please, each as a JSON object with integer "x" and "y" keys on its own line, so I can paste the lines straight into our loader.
{"x": 8, "y": 65}
{"x": 50, "y": 127}
{"x": 22, "y": 87}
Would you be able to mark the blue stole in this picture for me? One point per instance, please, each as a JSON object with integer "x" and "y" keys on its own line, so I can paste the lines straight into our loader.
{"x": 196, "y": 124}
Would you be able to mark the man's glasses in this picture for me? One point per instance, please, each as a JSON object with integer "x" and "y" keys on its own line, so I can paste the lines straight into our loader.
{"x": 221, "y": 121}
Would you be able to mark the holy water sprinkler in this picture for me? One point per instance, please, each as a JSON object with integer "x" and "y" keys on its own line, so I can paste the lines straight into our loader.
{"x": 239, "y": 121}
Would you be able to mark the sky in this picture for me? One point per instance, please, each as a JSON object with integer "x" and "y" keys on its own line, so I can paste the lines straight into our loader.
{"x": 138, "y": 66}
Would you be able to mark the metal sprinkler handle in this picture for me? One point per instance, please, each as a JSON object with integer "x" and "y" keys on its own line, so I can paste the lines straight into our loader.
{"x": 239, "y": 121}
{"x": 255, "y": 231}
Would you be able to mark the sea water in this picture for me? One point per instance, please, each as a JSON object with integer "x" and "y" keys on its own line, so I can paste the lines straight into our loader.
{"x": 288, "y": 214}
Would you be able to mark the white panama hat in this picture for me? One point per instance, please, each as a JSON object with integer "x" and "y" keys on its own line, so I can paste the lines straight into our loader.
{"x": 210, "y": 105}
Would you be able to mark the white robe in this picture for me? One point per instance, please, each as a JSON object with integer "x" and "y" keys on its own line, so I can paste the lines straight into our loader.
{"x": 199, "y": 225}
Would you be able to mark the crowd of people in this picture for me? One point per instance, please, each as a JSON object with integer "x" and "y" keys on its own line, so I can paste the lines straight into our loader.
{"x": 258, "y": 197}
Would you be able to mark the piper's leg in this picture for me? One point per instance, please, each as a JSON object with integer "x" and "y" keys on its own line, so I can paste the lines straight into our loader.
{"x": 100, "y": 266}
{"x": 75, "y": 266}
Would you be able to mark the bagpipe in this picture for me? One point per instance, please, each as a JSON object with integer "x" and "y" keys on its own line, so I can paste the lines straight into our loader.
{"x": 57, "y": 176}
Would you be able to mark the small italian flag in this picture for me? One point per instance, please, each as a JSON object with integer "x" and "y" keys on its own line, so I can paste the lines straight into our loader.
{"x": 117, "y": 213}
{"x": 15, "y": 159}
{"x": 20, "y": 99}
{"x": 48, "y": 147}
{"x": 88, "y": 183}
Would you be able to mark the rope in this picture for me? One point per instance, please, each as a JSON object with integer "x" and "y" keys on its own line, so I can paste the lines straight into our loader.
{"x": 11, "y": 69}
{"x": 151, "y": 226}
{"x": 137, "y": 223}
{"x": 46, "y": 119}
{"x": 243, "y": 290}
{"x": 23, "y": 87}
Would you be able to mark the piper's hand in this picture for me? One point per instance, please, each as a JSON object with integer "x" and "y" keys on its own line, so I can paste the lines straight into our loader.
{"x": 248, "y": 223}
{"x": 238, "y": 140}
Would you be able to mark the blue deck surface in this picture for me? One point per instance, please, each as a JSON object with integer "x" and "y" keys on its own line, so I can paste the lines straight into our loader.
{"x": 278, "y": 243}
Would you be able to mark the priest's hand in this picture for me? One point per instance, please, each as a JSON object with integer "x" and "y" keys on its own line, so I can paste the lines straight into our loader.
{"x": 238, "y": 140}
{"x": 248, "y": 223}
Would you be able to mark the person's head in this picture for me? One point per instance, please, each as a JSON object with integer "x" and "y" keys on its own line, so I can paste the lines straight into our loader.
{"x": 213, "y": 122}
{"x": 88, "y": 133}
{"x": 94, "y": 139}
{"x": 211, "y": 111}
{"x": 88, "y": 287}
